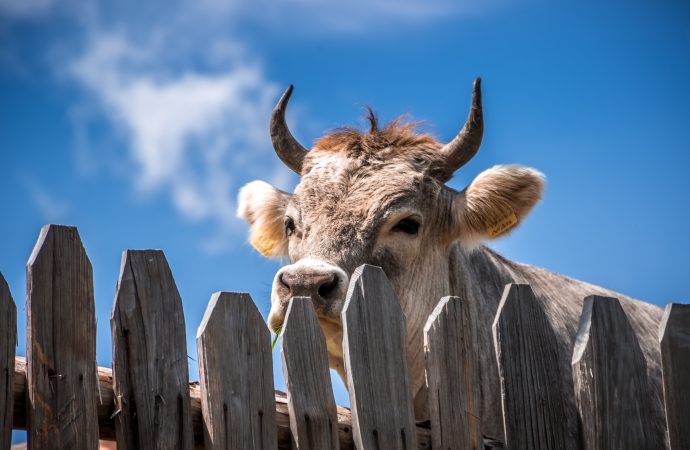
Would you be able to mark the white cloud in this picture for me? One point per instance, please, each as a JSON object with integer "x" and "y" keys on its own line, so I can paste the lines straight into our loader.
{"x": 187, "y": 132}
{"x": 51, "y": 209}
{"x": 25, "y": 8}
{"x": 328, "y": 17}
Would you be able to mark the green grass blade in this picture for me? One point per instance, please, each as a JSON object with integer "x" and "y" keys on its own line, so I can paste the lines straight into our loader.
{"x": 275, "y": 338}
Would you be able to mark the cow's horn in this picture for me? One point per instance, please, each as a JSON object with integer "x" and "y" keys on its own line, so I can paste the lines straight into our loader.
{"x": 465, "y": 145}
{"x": 290, "y": 151}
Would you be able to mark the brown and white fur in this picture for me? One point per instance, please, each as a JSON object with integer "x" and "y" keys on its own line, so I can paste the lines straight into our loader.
{"x": 358, "y": 195}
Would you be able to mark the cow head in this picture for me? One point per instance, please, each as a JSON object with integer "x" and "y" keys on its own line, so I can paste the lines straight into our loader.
{"x": 378, "y": 197}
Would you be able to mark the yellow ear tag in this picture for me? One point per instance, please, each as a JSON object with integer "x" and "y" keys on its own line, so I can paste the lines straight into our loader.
{"x": 264, "y": 243}
{"x": 502, "y": 226}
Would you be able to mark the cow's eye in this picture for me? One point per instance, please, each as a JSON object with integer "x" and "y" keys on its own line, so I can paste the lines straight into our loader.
{"x": 409, "y": 226}
{"x": 289, "y": 226}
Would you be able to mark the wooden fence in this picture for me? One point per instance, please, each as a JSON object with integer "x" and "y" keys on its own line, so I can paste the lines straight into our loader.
{"x": 64, "y": 400}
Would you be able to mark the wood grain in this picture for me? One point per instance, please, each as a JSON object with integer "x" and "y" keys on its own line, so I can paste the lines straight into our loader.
{"x": 452, "y": 375}
{"x": 534, "y": 399}
{"x": 375, "y": 349}
{"x": 610, "y": 377}
{"x": 8, "y": 345}
{"x": 236, "y": 375}
{"x": 150, "y": 374}
{"x": 61, "y": 343}
{"x": 313, "y": 417}
{"x": 674, "y": 338}
{"x": 106, "y": 409}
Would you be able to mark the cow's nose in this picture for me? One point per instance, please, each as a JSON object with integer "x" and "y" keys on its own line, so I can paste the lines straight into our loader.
{"x": 312, "y": 284}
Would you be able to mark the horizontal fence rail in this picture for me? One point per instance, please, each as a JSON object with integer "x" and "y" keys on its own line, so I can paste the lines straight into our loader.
{"x": 59, "y": 395}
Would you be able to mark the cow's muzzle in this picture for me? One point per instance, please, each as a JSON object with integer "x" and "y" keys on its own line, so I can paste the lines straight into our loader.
{"x": 325, "y": 283}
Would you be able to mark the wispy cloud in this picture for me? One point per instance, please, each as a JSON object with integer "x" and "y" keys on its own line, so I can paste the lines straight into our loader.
{"x": 24, "y": 8}
{"x": 328, "y": 17}
{"x": 50, "y": 207}
{"x": 188, "y": 132}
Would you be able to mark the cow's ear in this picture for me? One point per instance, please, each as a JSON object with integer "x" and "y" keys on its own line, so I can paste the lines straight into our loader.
{"x": 495, "y": 203}
{"x": 263, "y": 206}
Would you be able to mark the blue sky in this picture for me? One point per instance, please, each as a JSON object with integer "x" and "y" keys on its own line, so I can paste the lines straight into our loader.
{"x": 139, "y": 121}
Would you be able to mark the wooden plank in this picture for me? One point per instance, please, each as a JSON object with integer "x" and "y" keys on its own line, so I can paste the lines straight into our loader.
{"x": 236, "y": 373}
{"x": 106, "y": 409}
{"x": 313, "y": 417}
{"x": 8, "y": 346}
{"x": 674, "y": 338}
{"x": 610, "y": 376}
{"x": 452, "y": 375}
{"x": 375, "y": 348}
{"x": 532, "y": 388}
{"x": 61, "y": 343}
{"x": 150, "y": 376}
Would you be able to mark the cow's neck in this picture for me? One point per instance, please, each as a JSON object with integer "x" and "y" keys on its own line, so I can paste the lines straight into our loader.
{"x": 479, "y": 276}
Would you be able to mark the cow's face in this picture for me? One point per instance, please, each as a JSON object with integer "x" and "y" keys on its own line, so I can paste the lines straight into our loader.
{"x": 377, "y": 198}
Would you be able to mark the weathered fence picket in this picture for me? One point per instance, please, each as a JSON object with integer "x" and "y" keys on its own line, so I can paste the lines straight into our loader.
{"x": 236, "y": 375}
{"x": 8, "y": 344}
{"x": 61, "y": 343}
{"x": 452, "y": 375}
{"x": 610, "y": 377}
{"x": 674, "y": 338}
{"x": 313, "y": 417}
{"x": 535, "y": 409}
{"x": 150, "y": 375}
{"x": 375, "y": 350}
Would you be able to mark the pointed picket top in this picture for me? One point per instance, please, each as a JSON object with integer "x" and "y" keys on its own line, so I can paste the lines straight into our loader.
{"x": 313, "y": 416}
{"x": 533, "y": 391}
{"x": 61, "y": 342}
{"x": 452, "y": 374}
{"x": 150, "y": 374}
{"x": 674, "y": 339}
{"x": 8, "y": 346}
{"x": 236, "y": 375}
{"x": 375, "y": 351}
{"x": 610, "y": 377}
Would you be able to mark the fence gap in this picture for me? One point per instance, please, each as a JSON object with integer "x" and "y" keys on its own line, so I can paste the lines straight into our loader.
{"x": 313, "y": 417}
{"x": 8, "y": 347}
{"x": 674, "y": 338}
{"x": 375, "y": 350}
{"x": 236, "y": 375}
{"x": 150, "y": 374}
{"x": 535, "y": 408}
{"x": 610, "y": 378}
{"x": 61, "y": 343}
{"x": 452, "y": 375}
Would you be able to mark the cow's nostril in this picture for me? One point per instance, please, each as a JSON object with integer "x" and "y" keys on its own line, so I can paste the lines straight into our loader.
{"x": 290, "y": 280}
{"x": 327, "y": 288}
{"x": 282, "y": 280}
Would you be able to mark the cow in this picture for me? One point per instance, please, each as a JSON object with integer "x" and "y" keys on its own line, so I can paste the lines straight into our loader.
{"x": 379, "y": 197}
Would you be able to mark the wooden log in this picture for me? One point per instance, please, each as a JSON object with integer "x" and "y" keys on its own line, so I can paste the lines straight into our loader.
{"x": 375, "y": 349}
{"x": 452, "y": 375}
{"x": 610, "y": 377}
{"x": 674, "y": 339}
{"x": 8, "y": 345}
{"x": 61, "y": 343}
{"x": 313, "y": 417}
{"x": 236, "y": 375}
{"x": 107, "y": 408}
{"x": 150, "y": 374}
{"x": 532, "y": 388}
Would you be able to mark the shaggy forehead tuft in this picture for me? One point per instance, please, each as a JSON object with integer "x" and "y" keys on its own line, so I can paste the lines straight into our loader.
{"x": 397, "y": 136}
